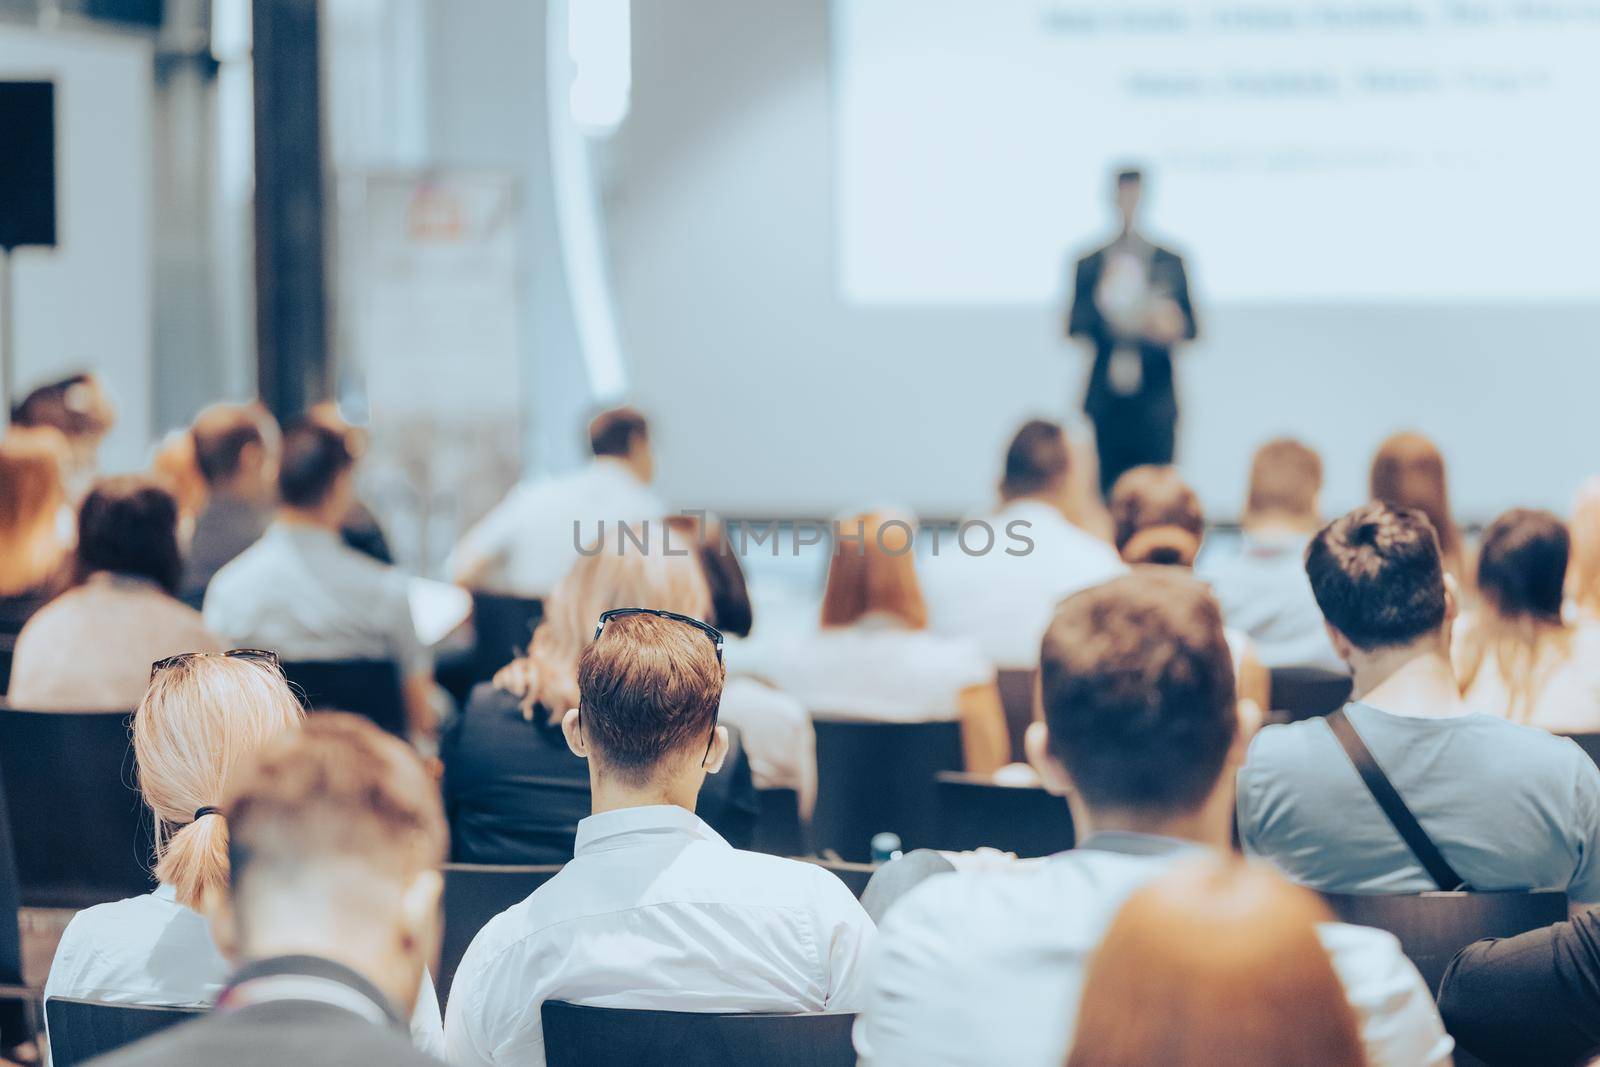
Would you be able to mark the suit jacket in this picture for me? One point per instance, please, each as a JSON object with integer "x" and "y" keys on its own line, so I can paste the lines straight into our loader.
{"x": 1528, "y": 1000}
{"x": 1084, "y": 319}
{"x": 515, "y": 793}
{"x": 302, "y": 1033}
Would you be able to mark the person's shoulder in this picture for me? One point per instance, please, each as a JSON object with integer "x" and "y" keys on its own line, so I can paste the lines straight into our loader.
{"x": 1283, "y": 743}
{"x": 743, "y": 693}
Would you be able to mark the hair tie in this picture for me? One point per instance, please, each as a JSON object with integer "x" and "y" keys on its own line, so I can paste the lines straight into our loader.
{"x": 200, "y": 813}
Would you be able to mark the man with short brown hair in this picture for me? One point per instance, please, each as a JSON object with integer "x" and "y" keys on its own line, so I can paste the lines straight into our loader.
{"x": 655, "y": 910}
{"x": 335, "y": 837}
{"x": 1263, "y": 588}
{"x": 236, "y": 447}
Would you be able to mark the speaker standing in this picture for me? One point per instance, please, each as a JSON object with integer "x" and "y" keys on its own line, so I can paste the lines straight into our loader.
{"x": 1130, "y": 301}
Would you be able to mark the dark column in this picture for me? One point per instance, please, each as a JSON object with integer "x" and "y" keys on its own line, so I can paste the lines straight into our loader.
{"x": 291, "y": 278}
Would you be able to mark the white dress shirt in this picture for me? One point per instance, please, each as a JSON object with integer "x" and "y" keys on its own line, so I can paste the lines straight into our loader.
{"x": 1004, "y": 602}
{"x": 153, "y": 950}
{"x": 657, "y": 911}
{"x": 527, "y": 543}
{"x": 987, "y": 966}
{"x": 877, "y": 669}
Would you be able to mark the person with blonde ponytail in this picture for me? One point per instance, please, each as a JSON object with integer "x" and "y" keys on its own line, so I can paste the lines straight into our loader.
{"x": 203, "y": 715}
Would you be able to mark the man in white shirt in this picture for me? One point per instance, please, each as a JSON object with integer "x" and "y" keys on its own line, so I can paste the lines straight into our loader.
{"x": 986, "y": 966}
{"x": 1002, "y": 598}
{"x": 655, "y": 910}
{"x": 1263, "y": 589}
{"x": 532, "y": 537}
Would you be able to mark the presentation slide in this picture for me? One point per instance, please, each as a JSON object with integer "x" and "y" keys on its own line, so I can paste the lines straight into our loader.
{"x": 1298, "y": 151}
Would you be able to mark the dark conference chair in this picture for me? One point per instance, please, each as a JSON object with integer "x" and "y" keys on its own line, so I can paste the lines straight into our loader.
{"x": 974, "y": 812}
{"x": 79, "y": 829}
{"x": 370, "y": 688}
{"x": 1017, "y": 699}
{"x": 1433, "y": 927}
{"x": 16, "y": 999}
{"x": 473, "y": 895}
{"x": 8, "y": 644}
{"x": 779, "y": 830}
{"x": 502, "y": 626}
{"x": 1590, "y": 743}
{"x": 80, "y": 1030}
{"x": 578, "y": 1036}
{"x": 878, "y": 776}
{"x": 1306, "y": 692}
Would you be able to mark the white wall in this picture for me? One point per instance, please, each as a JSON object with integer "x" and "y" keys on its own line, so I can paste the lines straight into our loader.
{"x": 775, "y": 396}
{"x": 87, "y": 302}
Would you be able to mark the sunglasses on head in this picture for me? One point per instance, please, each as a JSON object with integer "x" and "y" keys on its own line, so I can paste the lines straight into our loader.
{"x": 705, "y": 628}
{"x": 266, "y": 657}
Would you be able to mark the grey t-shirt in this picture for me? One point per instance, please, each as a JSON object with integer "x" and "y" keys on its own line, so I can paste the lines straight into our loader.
{"x": 1510, "y": 807}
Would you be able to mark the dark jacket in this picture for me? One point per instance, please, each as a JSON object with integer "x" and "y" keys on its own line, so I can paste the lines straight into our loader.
{"x": 1156, "y": 394}
{"x": 305, "y": 1033}
{"x": 514, "y": 792}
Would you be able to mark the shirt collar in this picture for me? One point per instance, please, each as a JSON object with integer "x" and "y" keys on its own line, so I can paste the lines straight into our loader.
{"x": 303, "y": 532}
{"x": 626, "y": 826}
{"x": 164, "y": 891}
{"x": 1128, "y": 843}
{"x": 324, "y": 981}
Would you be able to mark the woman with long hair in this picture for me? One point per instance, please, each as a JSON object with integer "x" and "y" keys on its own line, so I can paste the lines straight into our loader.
{"x": 1216, "y": 963}
{"x": 1583, "y": 576}
{"x": 201, "y": 717}
{"x": 91, "y": 647}
{"x": 1408, "y": 472}
{"x": 1157, "y": 521}
{"x": 873, "y": 657}
{"x": 513, "y": 791}
{"x": 33, "y": 549}
{"x": 1516, "y": 655}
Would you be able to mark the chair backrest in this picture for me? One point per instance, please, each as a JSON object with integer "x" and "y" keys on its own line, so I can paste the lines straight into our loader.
{"x": 1590, "y": 743}
{"x": 877, "y": 776}
{"x": 79, "y": 830}
{"x": 1433, "y": 927}
{"x": 474, "y": 894}
{"x": 502, "y": 626}
{"x": 1306, "y": 692}
{"x": 370, "y": 688}
{"x": 974, "y": 812}
{"x": 7, "y": 648}
{"x": 779, "y": 830}
{"x": 580, "y": 1036}
{"x": 1017, "y": 700}
{"x": 10, "y": 905}
{"x": 80, "y": 1030}
{"x": 855, "y": 876}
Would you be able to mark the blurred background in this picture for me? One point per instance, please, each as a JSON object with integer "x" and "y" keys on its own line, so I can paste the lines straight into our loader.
{"x": 824, "y": 245}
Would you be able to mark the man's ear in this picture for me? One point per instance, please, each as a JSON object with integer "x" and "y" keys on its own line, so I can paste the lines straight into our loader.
{"x": 572, "y": 730}
{"x": 719, "y": 750}
{"x": 1341, "y": 644}
{"x": 216, "y": 904}
{"x": 1036, "y": 743}
{"x": 421, "y": 915}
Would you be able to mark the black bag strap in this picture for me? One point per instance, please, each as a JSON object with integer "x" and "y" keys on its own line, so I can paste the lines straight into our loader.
{"x": 1394, "y": 807}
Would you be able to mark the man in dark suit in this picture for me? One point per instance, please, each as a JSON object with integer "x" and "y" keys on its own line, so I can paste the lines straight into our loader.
{"x": 335, "y": 839}
{"x": 1130, "y": 300}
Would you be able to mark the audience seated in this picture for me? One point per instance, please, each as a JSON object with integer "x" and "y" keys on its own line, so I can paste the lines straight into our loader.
{"x": 91, "y": 648}
{"x": 1533, "y": 999}
{"x": 1408, "y": 472}
{"x": 302, "y": 592}
{"x": 203, "y": 715}
{"x": 873, "y": 657}
{"x": 79, "y": 408}
{"x": 531, "y": 539}
{"x": 655, "y": 910}
{"x": 1156, "y": 520}
{"x": 1509, "y": 807}
{"x": 360, "y": 529}
{"x": 1263, "y": 589}
{"x": 1002, "y": 602}
{"x": 774, "y": 727}
{"x": 514, "y": 791}
{"x": 35, "y": 554}
{"x": 1141, "y": 730}
{"x": 1216, "y": 964}
{"x": 332, "y": 908}
{"x": 1516, "y": 656}
{"x": 174, "y": 465}
{"x": 236, "y": 450}
{"x": 1583, "y": 580}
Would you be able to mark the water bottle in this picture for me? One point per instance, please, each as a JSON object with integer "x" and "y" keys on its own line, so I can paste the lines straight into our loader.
{"x": 885, "y": 847}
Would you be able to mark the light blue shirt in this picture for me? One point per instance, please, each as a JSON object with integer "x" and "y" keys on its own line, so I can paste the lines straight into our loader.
{"x": 1510, "y": 807}
{"x": 1264, "y": 592}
